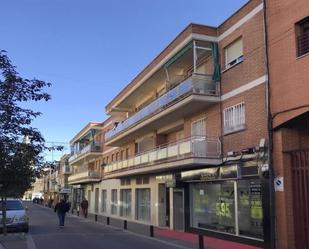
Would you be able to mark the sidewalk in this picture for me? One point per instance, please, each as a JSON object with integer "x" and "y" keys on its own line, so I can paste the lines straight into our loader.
{"x": 13, "y": 241}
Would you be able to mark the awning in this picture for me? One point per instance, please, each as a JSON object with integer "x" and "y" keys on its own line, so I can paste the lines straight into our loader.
{"x": 178, "y": 55}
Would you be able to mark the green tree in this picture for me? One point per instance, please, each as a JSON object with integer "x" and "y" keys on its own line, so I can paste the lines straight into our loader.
{"x": 20, "y": 159}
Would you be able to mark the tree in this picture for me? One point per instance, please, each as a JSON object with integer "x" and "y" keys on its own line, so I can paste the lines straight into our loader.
{"x": 20, "y": 161}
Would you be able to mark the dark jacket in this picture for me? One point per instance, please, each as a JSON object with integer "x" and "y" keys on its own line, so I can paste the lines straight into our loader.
{"x": 84, "y": 204}
{"x": 62, "y": 207}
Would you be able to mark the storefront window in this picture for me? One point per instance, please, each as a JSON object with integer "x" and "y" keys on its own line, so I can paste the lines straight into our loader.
{"x": 114, "y": 201}
{"x": 143, "y": 204}
{"x": 250, "y": 210}
{"x": 125, "y": 202}
{"x": 212, "y": 206}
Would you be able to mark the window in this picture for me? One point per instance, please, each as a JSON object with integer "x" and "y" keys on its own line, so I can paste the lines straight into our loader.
{"x": 302, "y": 32}
{"x": 234, "y": 118}
{"x": 114, "y": 201}
{"x": 143, "y": 204}
{"x": 121, "y": 155}
{"x": 142, "y": 180}
{"x": 103, "y": 201}
{"x": 125, "y": 181}
{"x": 113, "y": 157}
{"x": 125, "y": 202}
{"x": 250, "y": 208}
{"x": 127, "y": 153}
{"x": 213, "y": 206}
{"x": 234, "y": 53}
{"x": 198, "y": 128}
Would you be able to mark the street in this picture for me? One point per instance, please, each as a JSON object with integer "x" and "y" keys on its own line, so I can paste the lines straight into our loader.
{"x": 78, "y": 233}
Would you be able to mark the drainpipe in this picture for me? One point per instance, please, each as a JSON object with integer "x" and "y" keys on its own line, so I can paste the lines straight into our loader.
{"x": 272, "y": 206}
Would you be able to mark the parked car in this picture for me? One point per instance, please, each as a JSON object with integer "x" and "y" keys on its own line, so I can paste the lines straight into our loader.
{"x": 16, "y": 216}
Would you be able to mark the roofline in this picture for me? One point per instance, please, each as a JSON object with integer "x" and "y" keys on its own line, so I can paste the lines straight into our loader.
{"x": 188, "y": 27}
{"x": 237, "y": 11}
{"x": 117, "y": 98}
{"x": 84, "y": 130}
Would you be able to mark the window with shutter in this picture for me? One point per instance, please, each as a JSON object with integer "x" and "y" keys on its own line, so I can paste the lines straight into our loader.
{"x": 233, "y": 53}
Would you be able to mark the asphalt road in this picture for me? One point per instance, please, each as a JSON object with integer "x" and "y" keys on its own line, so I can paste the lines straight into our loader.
{"x": 79, "y": 233}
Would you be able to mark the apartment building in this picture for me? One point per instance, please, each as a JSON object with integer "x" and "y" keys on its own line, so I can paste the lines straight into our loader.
{"x": 187, "y": 137}
{"x": 288, "y": 54}
{"x": 64, "y": 171}
{"x": 85, "y": 163}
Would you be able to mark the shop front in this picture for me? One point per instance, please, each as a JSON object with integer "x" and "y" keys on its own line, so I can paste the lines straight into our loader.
{"x": 227, "y": 202}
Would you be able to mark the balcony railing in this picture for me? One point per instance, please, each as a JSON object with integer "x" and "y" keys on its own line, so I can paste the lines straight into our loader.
{"x": 87, "y": 149}
{"x": 84, "y": 175}
{"x": 303, "y": 44}
{"x": 197, "y": 83}
{"x": 195, "y": 146}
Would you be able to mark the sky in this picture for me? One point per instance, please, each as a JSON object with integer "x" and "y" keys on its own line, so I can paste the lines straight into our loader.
{"x": 90, "y": 49}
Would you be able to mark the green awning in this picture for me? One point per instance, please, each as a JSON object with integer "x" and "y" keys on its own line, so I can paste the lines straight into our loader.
{"x": 178, "y": 55}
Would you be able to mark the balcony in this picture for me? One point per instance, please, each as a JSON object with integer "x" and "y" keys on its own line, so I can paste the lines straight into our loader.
{"x": 66, "y": 169}
{"x": 192, "y": 151}
{"x": 84, "y": 177}
{"x": 92, "y": 149}
{"x": 193, "y": 94}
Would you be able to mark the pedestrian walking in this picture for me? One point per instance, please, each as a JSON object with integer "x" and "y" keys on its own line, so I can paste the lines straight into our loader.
{"x": 61, "y": 208}
{"x": 84, "y": 206}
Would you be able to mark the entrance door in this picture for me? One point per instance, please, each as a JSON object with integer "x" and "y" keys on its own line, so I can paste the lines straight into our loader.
{"x": 300, "y": 183}
{"x": 96, "y": 200}
{"x": 164, "y": 205}
{"x": 178, "y": 207}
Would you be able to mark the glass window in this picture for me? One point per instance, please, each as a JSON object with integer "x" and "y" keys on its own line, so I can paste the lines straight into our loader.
{"x": 233, "y": 53}
{"x": 143, "y": 204}
{"x": 212, "y": 206}
{"x": 250, "y": 210}
{"x": 114, "y": 201}
{"x": 103, "y": 202}
{"x": 12, "y": 205}
{"x": 234, "y": 118}
{"x": 302, "y": 29}
{"x": 125, "y": 202}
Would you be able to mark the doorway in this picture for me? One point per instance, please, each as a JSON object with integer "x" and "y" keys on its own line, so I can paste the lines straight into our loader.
{"x": 300, "y": 188}
{"x": 178, "y": 207}
{"x": 163, "y": 205}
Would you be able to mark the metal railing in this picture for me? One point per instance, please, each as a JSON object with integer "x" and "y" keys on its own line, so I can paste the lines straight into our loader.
{"x": 303, "y": 44}
{"x": 195, "y": 146}
{"x": 197, "y": 83}
{"x": 96, "y": 147}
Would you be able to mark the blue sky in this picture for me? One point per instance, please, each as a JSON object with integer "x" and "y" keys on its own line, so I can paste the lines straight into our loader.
{"x": 89, "y": 50}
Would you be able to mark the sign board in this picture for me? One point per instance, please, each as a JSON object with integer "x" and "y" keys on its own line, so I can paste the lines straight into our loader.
{"x": 279, "y": 184}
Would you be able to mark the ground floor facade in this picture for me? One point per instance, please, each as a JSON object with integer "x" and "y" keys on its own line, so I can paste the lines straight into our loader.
{"x": 227, "y": 201}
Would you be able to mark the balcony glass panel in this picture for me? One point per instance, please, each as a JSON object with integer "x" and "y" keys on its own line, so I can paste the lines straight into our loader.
{"x": 195, "y": 146}
{"x": 196, "y": 83}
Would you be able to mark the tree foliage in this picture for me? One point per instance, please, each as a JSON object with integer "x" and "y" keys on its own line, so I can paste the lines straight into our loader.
{"x": 20, "y": 161}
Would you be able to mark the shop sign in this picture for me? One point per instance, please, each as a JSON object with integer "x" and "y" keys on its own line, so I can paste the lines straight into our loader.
{"x": 65, "y": 191}
{"x": 229, "y": 172}
{"x": 211, "y": 174}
